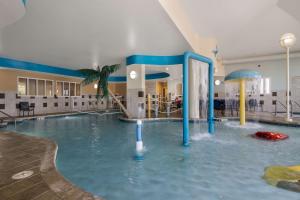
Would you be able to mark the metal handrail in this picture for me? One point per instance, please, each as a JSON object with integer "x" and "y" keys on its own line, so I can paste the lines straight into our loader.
{"x": 9, "y": 116}
{"x": 291, "y": 103}
{"x": 281, "y": 104}
{"x": 295, "y": 102}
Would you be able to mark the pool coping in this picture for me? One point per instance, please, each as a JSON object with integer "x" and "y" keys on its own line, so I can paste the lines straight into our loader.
{"x": 58, "y": 187}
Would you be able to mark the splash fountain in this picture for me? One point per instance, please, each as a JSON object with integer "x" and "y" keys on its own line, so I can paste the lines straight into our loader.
{"x": 241, "y": 76}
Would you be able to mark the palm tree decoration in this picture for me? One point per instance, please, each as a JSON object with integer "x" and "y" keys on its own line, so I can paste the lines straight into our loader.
{"x": 101, "y": 76}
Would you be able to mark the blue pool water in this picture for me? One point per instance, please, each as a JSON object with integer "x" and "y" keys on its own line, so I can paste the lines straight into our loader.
{"x": 96, "y": 153}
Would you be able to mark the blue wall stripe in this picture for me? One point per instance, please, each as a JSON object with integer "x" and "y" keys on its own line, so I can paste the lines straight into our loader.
{"x": 154, "y": 60}
{"x": 23, "y": 65}
{"x": 29, "y": 66}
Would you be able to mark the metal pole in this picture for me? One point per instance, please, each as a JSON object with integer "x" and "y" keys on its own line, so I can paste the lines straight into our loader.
{"x": 242, "y": 102}
{"x": 149, "y": 106}
{"x": 288, "y": 118}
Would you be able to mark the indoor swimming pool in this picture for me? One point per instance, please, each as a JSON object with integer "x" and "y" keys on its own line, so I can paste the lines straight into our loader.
{"x": 97, "y": 154}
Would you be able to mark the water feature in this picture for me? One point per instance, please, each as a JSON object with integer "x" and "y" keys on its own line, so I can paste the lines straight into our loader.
{"x": 198, "y": 95}
{"x": 253, "y": 97}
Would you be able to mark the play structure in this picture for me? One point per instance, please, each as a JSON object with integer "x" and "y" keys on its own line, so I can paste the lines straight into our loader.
{"x": 272, "y": 136}
{"x": 285, "y": 177}
{"x": 242, "y": 76}
{"x": 183, "y": 60}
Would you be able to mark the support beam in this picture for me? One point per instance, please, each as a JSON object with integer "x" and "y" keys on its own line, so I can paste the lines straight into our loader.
{"x": 242, "y": 102}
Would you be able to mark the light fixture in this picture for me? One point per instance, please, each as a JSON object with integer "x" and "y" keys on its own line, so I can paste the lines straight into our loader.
{"x": 167, "y": 68}
{"x": 133, "y": 75}
{"x": 95, "y": 86}
{"x": 287, "y": 40}
{"x": 217, "y": 82}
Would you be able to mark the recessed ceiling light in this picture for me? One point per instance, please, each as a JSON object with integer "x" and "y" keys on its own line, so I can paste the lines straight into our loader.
{"x": 167, "y": 68}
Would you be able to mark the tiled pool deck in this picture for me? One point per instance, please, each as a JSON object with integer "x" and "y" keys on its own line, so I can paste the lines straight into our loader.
{"x": 21, "y": 153}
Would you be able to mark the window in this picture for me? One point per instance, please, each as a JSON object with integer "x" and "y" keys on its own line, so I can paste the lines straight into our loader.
{"x": 267, "y": 85}
{"x": 66, "y": 88}
{"x": 72, "y": 89}
{"x": 78, "y": 90}
{"x": 261, "y": 86}
{"x": 32, "y": 87}
{"x": 22, "y": 86}
{"x": 41, "y": 87}
{"x": 59, "y": 88}
{"x": 49, "y": 88}
{"x": 264, "y": 86}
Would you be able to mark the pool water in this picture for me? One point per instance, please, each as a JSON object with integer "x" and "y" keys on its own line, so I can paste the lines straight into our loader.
{"x": 97, "y": 154}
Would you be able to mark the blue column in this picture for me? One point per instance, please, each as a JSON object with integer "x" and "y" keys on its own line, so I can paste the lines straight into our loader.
{"x": 210, "y": 119}
{"x": 185, "y": 81}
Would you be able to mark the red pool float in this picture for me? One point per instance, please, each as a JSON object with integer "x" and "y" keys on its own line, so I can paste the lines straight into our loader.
{"x": 270, "y": 136}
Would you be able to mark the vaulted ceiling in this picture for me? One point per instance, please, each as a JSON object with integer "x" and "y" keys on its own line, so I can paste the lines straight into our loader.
{"x": 245, "y": 28}
{"x": 80, "y": 33}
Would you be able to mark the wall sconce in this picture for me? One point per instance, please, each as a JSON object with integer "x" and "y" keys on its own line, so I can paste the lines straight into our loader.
{"x": 217, "y": 82}
{"x": 133, "y": 75}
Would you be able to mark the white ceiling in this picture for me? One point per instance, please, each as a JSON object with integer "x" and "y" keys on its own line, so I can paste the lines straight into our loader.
{"x": 10, "y": 11}
{"x": 245, "y": 28}
{"x": 80, "y": 33}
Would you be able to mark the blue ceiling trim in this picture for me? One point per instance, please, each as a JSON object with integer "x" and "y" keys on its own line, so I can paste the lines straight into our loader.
{"x": 243, "y": 74}
{"x": 157, "y": 76}
{"x": 117, "y": 79}
{"x": 147, "y": 76}
{"x": 23, "y": 65}
{"x": 29, "y": 66}
{"x": 154, "y": 60}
